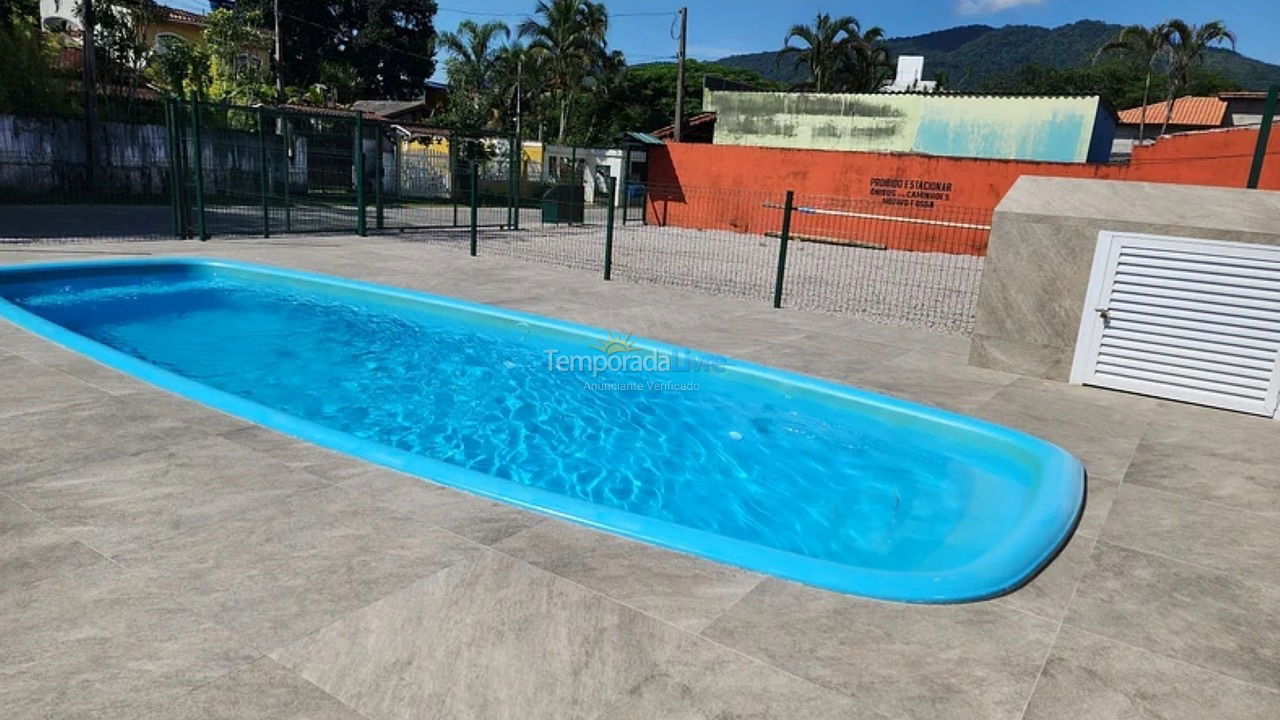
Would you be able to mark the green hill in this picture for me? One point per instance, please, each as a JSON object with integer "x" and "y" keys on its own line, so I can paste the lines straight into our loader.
{"x": 972, "y": 55}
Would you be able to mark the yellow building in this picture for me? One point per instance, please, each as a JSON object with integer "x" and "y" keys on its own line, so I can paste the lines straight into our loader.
{"x": 171, "y": 25}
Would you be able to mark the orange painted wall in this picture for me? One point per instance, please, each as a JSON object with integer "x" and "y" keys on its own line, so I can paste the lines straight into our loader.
{"x": 727, "y": 187}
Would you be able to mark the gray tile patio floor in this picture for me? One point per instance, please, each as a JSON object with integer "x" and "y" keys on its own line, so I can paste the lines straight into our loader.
{"x": 161, "y": 560}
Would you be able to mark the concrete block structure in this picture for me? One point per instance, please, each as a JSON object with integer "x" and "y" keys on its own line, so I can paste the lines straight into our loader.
{"x": 1052, "y": 129}
{"x": 1043, "y": 241}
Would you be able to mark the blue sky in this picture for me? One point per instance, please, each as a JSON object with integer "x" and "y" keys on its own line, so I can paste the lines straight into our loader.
{"x": 725, "y": 27}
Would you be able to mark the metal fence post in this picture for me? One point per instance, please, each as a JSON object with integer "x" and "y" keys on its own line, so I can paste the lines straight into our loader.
{"x": 1264, "y": 135}
{"x": 608, "y": 228}
{"x": 782, "y": 248}
{"x": 361, "y": 230}
{"x": 454, "y": 161}
{"x": 626, "y": 183}
{"x": 513, "y": 183}
{"x": 475, "y": 209}
{"x": 378, "y": 170}
{"x": 197, "y": 163}
{"x": 288, "y": 172}
{"x": 171, "y": 146}
{"x": 264, "y": 168}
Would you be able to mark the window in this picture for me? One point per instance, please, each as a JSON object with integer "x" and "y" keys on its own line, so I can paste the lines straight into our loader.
{"x": 165, "y": 41}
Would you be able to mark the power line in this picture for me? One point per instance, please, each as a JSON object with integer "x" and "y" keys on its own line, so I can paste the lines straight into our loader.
{"x": 481, "y": 13}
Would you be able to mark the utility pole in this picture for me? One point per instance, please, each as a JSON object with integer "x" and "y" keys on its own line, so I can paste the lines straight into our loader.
{"x": 90, "y": 94}
{"x": 519, "y": 92}
{"x": 684, "y": 26}
{"x": 279, "y": 58}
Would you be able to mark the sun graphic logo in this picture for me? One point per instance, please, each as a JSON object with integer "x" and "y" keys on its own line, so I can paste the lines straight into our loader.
{"x": 615, "y": 344}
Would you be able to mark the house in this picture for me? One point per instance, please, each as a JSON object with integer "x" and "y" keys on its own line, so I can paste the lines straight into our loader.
{"x": 170, "y": 26}
{"x": 698, "y": 128}
{"x": 1190, "y": 113}
{"x": 411, "y": 112}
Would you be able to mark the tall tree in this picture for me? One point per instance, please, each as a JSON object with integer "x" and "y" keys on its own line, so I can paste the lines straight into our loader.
{"x": 825, "y": 43}
{"x": 865, "y": 66}
{"x": 471, "y": 68}
{"x": 231, "y": 38}
{"x": 27, "y": 81}
{"x": 390, "y": 44}
{"x": 1187, "y": 46}
{"x": 570, "y": 35}
{"x": 1147, "y": 45}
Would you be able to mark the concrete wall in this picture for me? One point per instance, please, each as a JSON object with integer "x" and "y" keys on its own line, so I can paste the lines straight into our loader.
{"x": 1052, "y": 129}
{"x": 44, "y": 157}
{"x": 1041, "y": 250}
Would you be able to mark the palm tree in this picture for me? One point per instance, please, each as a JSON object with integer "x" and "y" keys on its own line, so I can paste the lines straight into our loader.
{"x": 474, "y": 52}
{"x": 826, "y": 42}
{"x": 1187, "y": 46}
{"x": 570, "y": 37}
{"x": 866, "y": 64}
{"x": 1143, "y": 43}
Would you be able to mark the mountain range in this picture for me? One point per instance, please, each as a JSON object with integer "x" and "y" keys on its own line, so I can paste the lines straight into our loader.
{"x": 972, "y": 54}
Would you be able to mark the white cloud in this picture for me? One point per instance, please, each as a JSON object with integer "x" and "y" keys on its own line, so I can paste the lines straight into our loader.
{"x": 986, "y": 7}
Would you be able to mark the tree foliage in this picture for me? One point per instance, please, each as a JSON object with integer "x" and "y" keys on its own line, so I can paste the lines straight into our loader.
{"x": 826, "y": 46}
{"x": 388, "y": 45}
{"x": 560, "y": 79}
{"x": 1140, "y": 44}
{"x": 1118, "y": 81}
{"x": 27, "y": 79}
{"x": 235, "y": 43}
{"x": 569, "y": 36}
{"x": 838, "y": 55}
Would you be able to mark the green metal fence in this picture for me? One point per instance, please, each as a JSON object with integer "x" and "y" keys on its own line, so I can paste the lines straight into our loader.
{"x": 265, "y": 171}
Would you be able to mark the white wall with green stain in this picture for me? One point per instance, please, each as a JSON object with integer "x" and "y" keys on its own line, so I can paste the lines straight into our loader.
{"x": 1061, "y": 129}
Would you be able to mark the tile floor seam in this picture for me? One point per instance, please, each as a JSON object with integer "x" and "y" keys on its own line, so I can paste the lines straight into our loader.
{"x": 1053, "y": 643}
{"x": 60, "y": 529}
{"x": 1180, "y": 661}
{"x": 343, "y": 615}
{"x": 44, "y": 364}
{"x": 263, "y": 656}
{"x": 697, "y": 635}
{"x": 261, "y": 504}
{"x": 1272, "y": 515}
{"x": 1247, "y": 579}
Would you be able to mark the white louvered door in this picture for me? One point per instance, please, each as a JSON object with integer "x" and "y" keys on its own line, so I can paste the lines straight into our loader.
{"x": 1192, "y": 320}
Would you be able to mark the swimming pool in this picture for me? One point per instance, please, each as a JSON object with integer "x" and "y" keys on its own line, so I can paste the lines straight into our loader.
{"x": 752, "y": 466}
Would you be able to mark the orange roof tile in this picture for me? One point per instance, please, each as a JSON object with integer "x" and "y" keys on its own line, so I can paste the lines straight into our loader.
{"x": 181, "y": 17}
{"x": 1195, "y": 111}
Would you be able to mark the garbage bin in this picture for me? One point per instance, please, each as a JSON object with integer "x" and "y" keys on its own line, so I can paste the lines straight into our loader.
{"x": 564, "y": 204}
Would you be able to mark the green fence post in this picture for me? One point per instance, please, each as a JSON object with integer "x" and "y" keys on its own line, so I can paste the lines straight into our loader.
{"x": 475, "y": 208}
{"x": 1264, "y": 135}
{"x": 782, "y": 248}
{"x": 171, "y": 146}
{"x": 626, "y": 183}
{"x": 264, "y": 168}
{"x": 197, "y": 167}
{"x": 378, "y": 170}
{"x": 608, "y": 228}
{"x": 288, "y": 172}
{"x": 513, "y": 196}
{"x": 359, "y": 169}
{"x": 453, "y": 178}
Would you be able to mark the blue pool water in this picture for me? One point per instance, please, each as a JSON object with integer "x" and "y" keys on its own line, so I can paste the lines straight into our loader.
{"x": 747, "y": 465}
